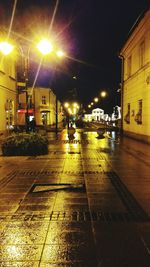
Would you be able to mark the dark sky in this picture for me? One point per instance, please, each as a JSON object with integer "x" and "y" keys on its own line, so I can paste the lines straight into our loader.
{"x": 92, "y": 33}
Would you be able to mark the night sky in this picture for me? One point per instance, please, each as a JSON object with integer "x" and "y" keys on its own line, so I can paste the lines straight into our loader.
{"x": 90, "y": 31}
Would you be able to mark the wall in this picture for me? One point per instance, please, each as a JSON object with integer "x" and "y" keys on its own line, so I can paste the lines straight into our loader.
{"x": 8, "y": 93}
{"x": 136, "y": 86}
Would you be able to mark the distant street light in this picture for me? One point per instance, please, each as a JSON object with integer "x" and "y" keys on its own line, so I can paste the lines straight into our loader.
{"x": 103, "y": 94}
{"x": 71, "y": 110}
{"x": 96, "y": 99}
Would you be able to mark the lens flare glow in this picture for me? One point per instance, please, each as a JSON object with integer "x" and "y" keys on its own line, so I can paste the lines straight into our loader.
{"x": 60, "y": 53}
{"x": 45, "y": 47}
{"x": 6, "y": 48}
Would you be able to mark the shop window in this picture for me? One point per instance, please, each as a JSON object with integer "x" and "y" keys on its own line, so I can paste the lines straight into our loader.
{"x": 9, "y": 108}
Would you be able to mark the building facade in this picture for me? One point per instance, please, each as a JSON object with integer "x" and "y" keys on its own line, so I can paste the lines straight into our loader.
{"x": 8, "y": 94}
{"x": 135, "y": 56}
{"x": 41, "y": 105}
{"x": 42, "y": 102}
{"x": 96, "y": 115}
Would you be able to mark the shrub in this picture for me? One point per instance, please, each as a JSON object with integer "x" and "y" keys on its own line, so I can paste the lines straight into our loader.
{"x": 23, "y": 144}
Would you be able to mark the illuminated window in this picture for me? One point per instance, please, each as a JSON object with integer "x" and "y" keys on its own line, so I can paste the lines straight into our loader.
{"x": 43, "y": 99}
{"x": 9, "y": 108}
{"x": 142, "y": 54}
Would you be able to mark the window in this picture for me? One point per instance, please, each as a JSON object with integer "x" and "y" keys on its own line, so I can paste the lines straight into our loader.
{"x": 129, "y": 63}
{"x": 142, "y": 54}
{"x": 138, "y": 117}
{"x": 127, "y": 116}
{"x": 43, "y": 99}
{"x": 9, "y": 108}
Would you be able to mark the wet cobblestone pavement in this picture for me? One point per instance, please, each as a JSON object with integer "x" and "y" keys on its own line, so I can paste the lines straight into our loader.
{"x": 85, "y": 204}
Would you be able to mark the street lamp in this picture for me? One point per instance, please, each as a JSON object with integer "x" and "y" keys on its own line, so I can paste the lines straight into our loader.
{"x": 96, "y": 99}
{"x": 6, "y": 48}
{"x": 103, "y": 94}
{"x": 71, "y": 110}
{"x": 45, "y": 47}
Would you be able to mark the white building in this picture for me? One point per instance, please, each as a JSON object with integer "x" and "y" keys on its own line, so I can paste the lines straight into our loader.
{"x": 96, "y": 115}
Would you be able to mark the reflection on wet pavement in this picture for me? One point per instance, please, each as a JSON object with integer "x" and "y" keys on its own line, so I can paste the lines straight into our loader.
{"x": 86, "y": 203}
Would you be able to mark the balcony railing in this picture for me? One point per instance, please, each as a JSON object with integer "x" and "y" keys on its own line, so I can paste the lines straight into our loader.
{"x": 138, "y": 118}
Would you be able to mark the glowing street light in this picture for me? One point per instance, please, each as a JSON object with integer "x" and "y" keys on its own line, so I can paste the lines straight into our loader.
{"x": 66, "y": 105}
{"x": 6, "y": 48}
{"x": 96, "y": 99}
{"x": 103, "y": 94}
{"x": 45, "y": 47}
{"x": 60, "y": 53}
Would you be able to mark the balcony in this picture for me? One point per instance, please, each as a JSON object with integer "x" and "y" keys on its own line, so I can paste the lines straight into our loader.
{"x": 138, "y": 118}
{"x": 127, "y": 118}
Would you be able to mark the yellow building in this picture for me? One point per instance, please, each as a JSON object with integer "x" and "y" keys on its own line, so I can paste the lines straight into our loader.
{"x": 135, "y": 56}
{"x": 41, "y": 105}
{"x": 8, "y": 93}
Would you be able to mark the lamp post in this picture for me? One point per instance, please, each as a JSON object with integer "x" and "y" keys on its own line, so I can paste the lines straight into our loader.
{"x": 56, "y": 129}
{"x": 45, "y": 47}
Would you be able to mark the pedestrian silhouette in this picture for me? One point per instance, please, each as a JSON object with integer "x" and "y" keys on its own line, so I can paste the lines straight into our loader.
{"x": 71, "y": 132}
{"x": 32, "y": 125}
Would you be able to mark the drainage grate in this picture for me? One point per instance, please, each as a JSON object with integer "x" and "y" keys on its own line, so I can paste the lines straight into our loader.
{"x": 134, "y": 209}
{"x": 38, "y": 188}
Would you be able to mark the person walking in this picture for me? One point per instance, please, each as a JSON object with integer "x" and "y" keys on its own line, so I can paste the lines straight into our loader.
{"x": 33, "y": 125}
